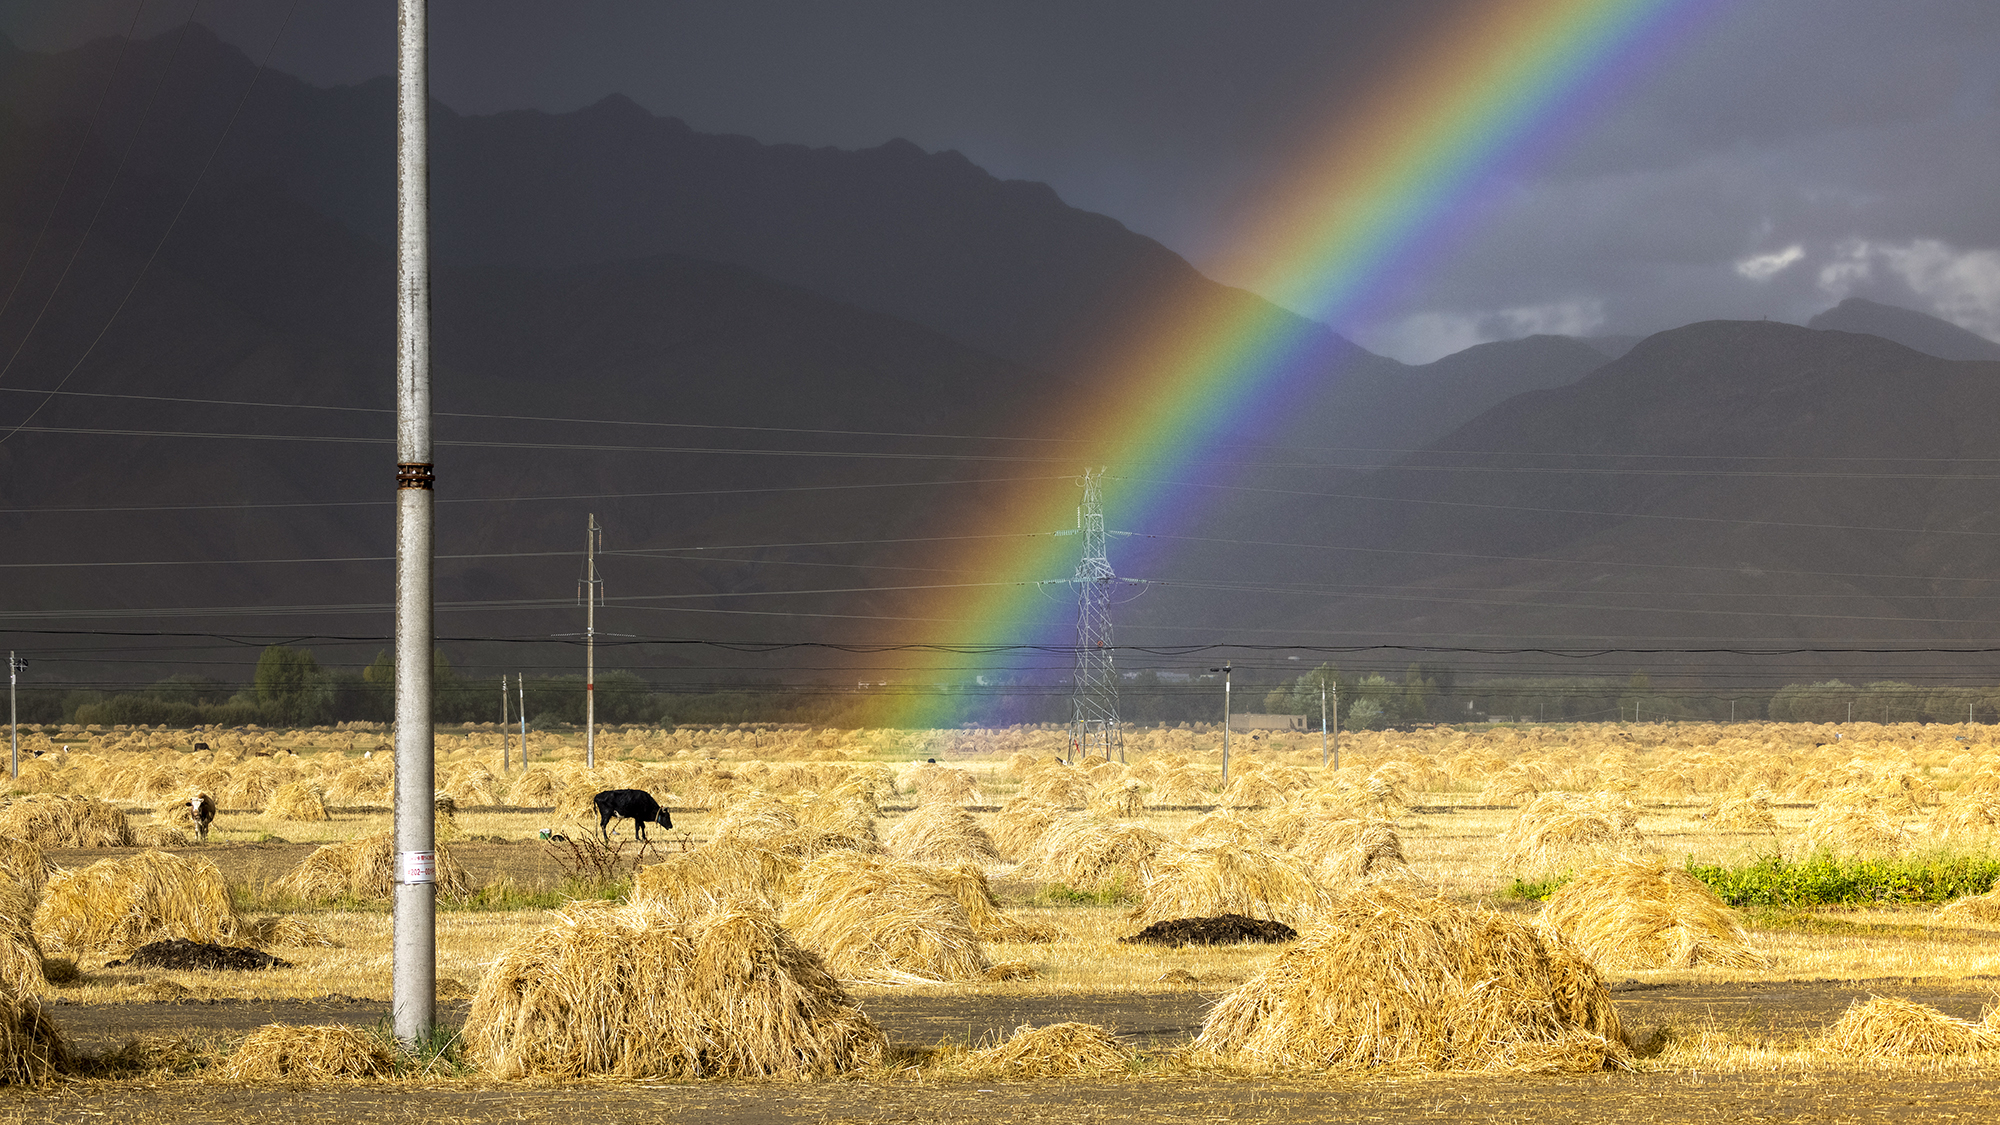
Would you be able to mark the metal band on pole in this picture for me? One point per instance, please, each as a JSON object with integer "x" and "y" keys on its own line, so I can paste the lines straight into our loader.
{"x": 414, "y": 1007}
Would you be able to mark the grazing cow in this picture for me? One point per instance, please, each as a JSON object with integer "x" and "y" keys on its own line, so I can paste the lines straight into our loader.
{"x": 202, "y": 807}
{"x": 635, "y": 805}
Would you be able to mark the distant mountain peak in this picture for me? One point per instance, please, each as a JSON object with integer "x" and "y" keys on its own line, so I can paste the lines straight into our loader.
{"x": 617, "y": 105}
{"x": 1919, "y": 331}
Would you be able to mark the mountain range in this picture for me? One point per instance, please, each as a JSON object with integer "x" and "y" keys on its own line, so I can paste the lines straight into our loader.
{"x": 804, "y": 362}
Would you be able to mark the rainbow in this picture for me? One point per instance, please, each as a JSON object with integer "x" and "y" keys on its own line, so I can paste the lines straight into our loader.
{"x": 1387, "y": 190}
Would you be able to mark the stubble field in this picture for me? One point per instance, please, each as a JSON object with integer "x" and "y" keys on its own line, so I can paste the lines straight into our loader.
{"x": 953, "y": 902}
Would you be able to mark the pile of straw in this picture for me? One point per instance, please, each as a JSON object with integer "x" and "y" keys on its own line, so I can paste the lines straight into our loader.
{"x": 1975, "y": 909}
{"x": 364, "y": 868}
{"x": 310, "y": 1052}
{"x": 536, "y": 788}
{"x": 1086, "y": 853}
{"x": 934, "y": 784}
{"x": 1183, "y": 785}
{"x": 1852, "y": 829}
{"x": 1341, "y": 849}
{"x": 21, "y": 969}
{"x": 298, "y": 800}
{"x": 1392, "y": 979}
{"x": 940, "y": 833}
{"x": 717, "y": 872}
{"x": 51, "y": 820}
{"x": 636, "y": 992}
{"x": 1557, "y": 829}
{"x": 1055, "y": 783}
{"x": 966, "y": 883}
{"x": 1742, "y": 814}
{"x": 1060, "y": 1050}
{"x": 368, "y": 784}
{"x": 1885, "y": 1027}
{"x": 32, "y": 1051}
{"x": 24, "y": 865}
{"x": 1966, "y": 816}
{"x": 1123, "y": 798}
{"x": 118, "y": 905}
{"x": 1229, "y": 879}
{"x": 1640, "y": 913}
{"x": 877, "y": 920}
{"x": 1018, "y": 827}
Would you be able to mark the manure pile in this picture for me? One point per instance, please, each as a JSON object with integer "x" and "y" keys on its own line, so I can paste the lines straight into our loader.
{"x": 1222, "y": 929}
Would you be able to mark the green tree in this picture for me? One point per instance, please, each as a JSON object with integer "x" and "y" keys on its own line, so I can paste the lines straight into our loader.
{"x": 290, "y": 686}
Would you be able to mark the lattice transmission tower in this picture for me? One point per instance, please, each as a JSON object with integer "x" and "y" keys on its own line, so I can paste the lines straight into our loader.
{"x": 1094, "y": 694}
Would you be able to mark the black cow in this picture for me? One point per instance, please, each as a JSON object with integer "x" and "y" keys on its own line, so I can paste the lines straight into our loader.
{"x": 635, "y": 805}
{"x": 202, "y": 807}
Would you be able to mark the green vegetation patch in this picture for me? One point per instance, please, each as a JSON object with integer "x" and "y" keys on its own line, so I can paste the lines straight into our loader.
{"x": 1826, "y": 880}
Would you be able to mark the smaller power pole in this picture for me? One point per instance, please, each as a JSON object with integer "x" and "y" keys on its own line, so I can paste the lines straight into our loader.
{"x": 503, "y": 723}
{"x": 1225, "y": 669}
{"x": 14, "y": 666}
{"x": 521, "y": 690}
{"x": 591, "y": 590}
{"x": 1333, "y": 716}
{"x": 1322, "y": 724}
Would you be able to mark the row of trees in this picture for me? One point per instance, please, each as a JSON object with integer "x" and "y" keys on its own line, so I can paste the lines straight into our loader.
{"x": 291, "y": 688}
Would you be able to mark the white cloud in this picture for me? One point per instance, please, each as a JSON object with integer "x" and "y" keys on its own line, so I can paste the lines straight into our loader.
{"x": 1426, "y": 336}
{"x": 1961, "y": 286}
{"x": 1764, "y": 267}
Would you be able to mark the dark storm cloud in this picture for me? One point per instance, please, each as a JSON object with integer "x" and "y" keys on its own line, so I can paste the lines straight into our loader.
{"x": 1784, "y": 154}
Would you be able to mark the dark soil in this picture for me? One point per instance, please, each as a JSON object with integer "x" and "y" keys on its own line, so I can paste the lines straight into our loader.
{"x": 179, "y": 953}
{"x": 1223, "y": 929}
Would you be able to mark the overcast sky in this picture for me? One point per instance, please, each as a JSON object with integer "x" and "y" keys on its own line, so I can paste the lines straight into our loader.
{"x": 1788, "y": 154}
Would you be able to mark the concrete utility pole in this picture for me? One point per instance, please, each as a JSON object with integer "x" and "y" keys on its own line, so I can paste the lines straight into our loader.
{"x": 590, "y": 589}
{"x": 521, "y": 691}
{"x": 414, "y": 1005}
{"x": 1333, "y": 716}
{"x": 1225, "y": 669}
{"x": 14, "y": 666}
{"x": 503, "y": 723}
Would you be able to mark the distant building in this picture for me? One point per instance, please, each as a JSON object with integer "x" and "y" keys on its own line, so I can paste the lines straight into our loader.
{"x": 1251, "y": 720}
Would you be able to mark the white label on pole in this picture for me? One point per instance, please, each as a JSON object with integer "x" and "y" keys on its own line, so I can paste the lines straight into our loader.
{"x": 420, "y": 867}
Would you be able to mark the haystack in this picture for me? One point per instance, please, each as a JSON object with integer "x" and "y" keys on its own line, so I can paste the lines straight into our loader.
{"x": 310, "y": 1052}
{"x": 1019, "y": 825}
{"x": 966, "y": 883}
{"x": 536, "y": 788}
{"x": 24, "y": 865}
{"x": 1088, "y": 853}
{"x": 940, "y": 833}
{"x": 298, "y": 800}
{"x": 688, "y": 883}
{"x": 1974, "y": 909}
{"x": 1642, "y": 914}
{"x": 1055, "y": 783}
{"x": 21, "y": 970}
{"x": 54, "y": 821}
{"x": 1183, "y": 785}
{"x": 1853, "y": 829}
{"x": 32, "y": 1051}
{"x": 637, "y": 992}
{"x": 1886, "y": 1027}
{"x": 1393, "y": 979}
{"x": 363, "y": 868}
{"x": 1124, "y": 798}
{"x": 1059, "y": 1050}
{"x": 117, "y": 905}
{"x": 1229, "y": 879}
{"x": 877, "y": 920}
{"x": 1558, "y": 829}
{"x": 1742, "y": 814}
{"x": 935, "y": 784}
{"x": 1339, "y": 849}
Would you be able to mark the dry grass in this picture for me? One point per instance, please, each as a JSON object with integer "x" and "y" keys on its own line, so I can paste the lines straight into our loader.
{"x": 1230, "y": 879}
{"x": 1559, "y": 829}
{"x": 1853, "y": 829}
{"x": 636, "y": 992}
{"x": 1019, "y": 826}
{"x": 1060, "y": 1050}
{"x": 877, "y": 920}
{"x": 1395, "y": 980}
{"x": 1978, "y": 909}
{"x": 705, "y": 878}
{"x": 51, "y": 820}
{"x": 1886, "y": 1027}
{"x": 32, "y": 1051}
{"x": 1089, "y": 853}
{"x": 117, "y": 905}
{"x": 25, "y": 865}
{"x": 21, "y": 969}
{"x": 940, "y": 833}
{"x": 363, "y": 868}
{"x": 298, "y": 800}
{"x": 310, "y": 1052}
{"x": 1641, "y": 913}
